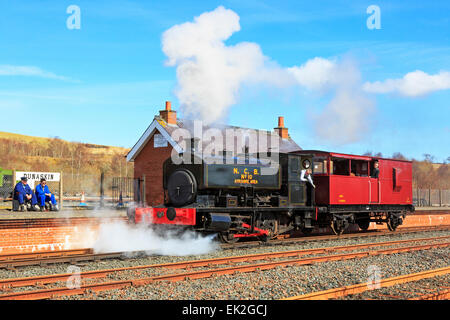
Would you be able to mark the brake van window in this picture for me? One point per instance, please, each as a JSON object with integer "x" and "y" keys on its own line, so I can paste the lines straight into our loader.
{"x": 340, "y": 166}
{"x": 320, "y": 166}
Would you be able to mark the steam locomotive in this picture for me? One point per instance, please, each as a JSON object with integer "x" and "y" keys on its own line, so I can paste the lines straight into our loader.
{"x": 249, "y": 196}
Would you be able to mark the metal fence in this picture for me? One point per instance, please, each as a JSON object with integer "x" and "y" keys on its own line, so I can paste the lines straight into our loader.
{"x": 431, "y": 198}
{"x": 95, "y": 189}
{"x": 6, "y": 187}
{"x": 122, "y": 189}
{"x": 100, "y": 189}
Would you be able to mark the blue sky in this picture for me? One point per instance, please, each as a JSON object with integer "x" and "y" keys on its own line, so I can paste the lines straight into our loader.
{"x": 104, "y": 82}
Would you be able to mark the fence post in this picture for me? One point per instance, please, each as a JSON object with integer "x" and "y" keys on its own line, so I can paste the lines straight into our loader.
{"x": 60, "y": 190}
{"x": 102, "y": 191}
{"x": 429, "y": 197}
{"x": 13, "y": 183}
{"x": 137, "y": 191}
{"x": 143, "y": 191}
{"x": 440, "y": 197}
{"x": 418, "y": 197}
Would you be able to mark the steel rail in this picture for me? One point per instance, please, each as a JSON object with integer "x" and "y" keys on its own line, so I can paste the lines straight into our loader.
{"x": 10, "y": 261}
{"x": 50, "y": 293}
{"x": 43, "y": 254}
{"x": 362, "y": 287}
{"x": 443, "y": 295}
{"x": 358, "y": 234}
{"x": 18, "y": 282}
{"x": 59, "y": 259}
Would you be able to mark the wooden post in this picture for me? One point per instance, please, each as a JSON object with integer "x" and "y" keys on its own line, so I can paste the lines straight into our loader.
{"x": 429, "y": 197}
{"x": 143, "y": 191}
{"x": 102, "y": 191}
{"x": 440, "y": 197}
{"x": 13, "y": 183}
{"x": 60, "y": 190}
{"x": 418, "y": 197}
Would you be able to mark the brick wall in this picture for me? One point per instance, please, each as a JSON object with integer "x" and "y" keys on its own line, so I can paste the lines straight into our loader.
{"x": 149, "y": 162}
{"x": 45, "y": 238}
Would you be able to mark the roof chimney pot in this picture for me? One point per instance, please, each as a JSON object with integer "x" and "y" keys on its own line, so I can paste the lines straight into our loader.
{"x": 168, "y": 115}
{"x": 281, "y": 130}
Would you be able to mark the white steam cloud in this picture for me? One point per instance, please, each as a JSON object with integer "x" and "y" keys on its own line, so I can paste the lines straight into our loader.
{"x": 413, "y": 84}
{"x": 123, "y": 237}
{"x": 211, "y": 73}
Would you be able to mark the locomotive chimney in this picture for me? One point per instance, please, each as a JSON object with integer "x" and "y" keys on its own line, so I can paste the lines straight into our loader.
{"x": 168, "y": 115}
{"x": 281, "y": 130}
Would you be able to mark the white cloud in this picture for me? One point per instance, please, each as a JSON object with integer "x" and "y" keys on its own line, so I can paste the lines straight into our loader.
{"x": 413, "y": 84}
{"x": 316, "y": 74}
{"x": 31, "y": 71}
{"x": 346, "y": 118}
{"x": 209, "y": 72}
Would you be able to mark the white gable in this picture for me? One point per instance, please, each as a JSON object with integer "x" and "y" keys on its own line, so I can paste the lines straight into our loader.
{"x": 154, "y": 126}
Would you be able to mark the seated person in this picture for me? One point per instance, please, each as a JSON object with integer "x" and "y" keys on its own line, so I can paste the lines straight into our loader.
{"x": 44, "y": 195}
{"x": 23, "y": 193}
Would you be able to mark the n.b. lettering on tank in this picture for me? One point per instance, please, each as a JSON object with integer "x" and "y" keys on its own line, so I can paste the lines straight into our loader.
{"x": 237, "y": 176}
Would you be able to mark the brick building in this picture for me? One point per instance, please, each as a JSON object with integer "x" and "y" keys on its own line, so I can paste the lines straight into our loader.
{"x": 167, "y": 133}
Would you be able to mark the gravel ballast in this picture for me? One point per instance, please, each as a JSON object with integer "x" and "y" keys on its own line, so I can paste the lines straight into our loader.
{"x": 147, "y": 260}
{"x": 276, "y": 283}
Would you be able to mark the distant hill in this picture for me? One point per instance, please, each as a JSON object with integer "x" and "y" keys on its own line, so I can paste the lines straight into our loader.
{"x": 80, "y": 163}
{"x": 46, "y": 142}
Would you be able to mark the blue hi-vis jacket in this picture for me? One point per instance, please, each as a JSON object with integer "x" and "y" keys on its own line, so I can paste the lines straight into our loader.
{"x": 23, "y": 189}
{"x": 40, "y": 191}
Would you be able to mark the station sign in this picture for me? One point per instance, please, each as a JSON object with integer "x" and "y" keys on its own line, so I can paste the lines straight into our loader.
{"x": 37, "y": 176}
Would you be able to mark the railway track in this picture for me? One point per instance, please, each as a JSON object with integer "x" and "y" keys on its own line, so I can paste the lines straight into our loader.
{"x": 7, "y": 284}
{"x": 318, "y": 237}
{"x": 11, "y": 261}
{"x": 363, "y": 287}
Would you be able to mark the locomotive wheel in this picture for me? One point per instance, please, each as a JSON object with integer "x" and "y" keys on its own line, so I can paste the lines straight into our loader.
{"x": 364, "y": 224}
{"x": 392, "y": 224}
{"x": 307, "y": 231}
{"x": 271, "y": 226}
{"x": 338, "y": 227}
{"x": 227, "y": 237}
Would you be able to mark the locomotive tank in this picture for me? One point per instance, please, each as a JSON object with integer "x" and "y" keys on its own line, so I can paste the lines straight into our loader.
{"x": 209, "y": 180}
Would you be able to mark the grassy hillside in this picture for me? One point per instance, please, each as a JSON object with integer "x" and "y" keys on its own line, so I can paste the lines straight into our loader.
{"x": 46, "y": 143}
{"x": 80, "y": 163}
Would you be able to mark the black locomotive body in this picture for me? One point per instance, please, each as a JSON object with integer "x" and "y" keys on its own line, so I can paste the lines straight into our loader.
{"x": 249, "y": 196}
{"x": 236, "y": 196}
